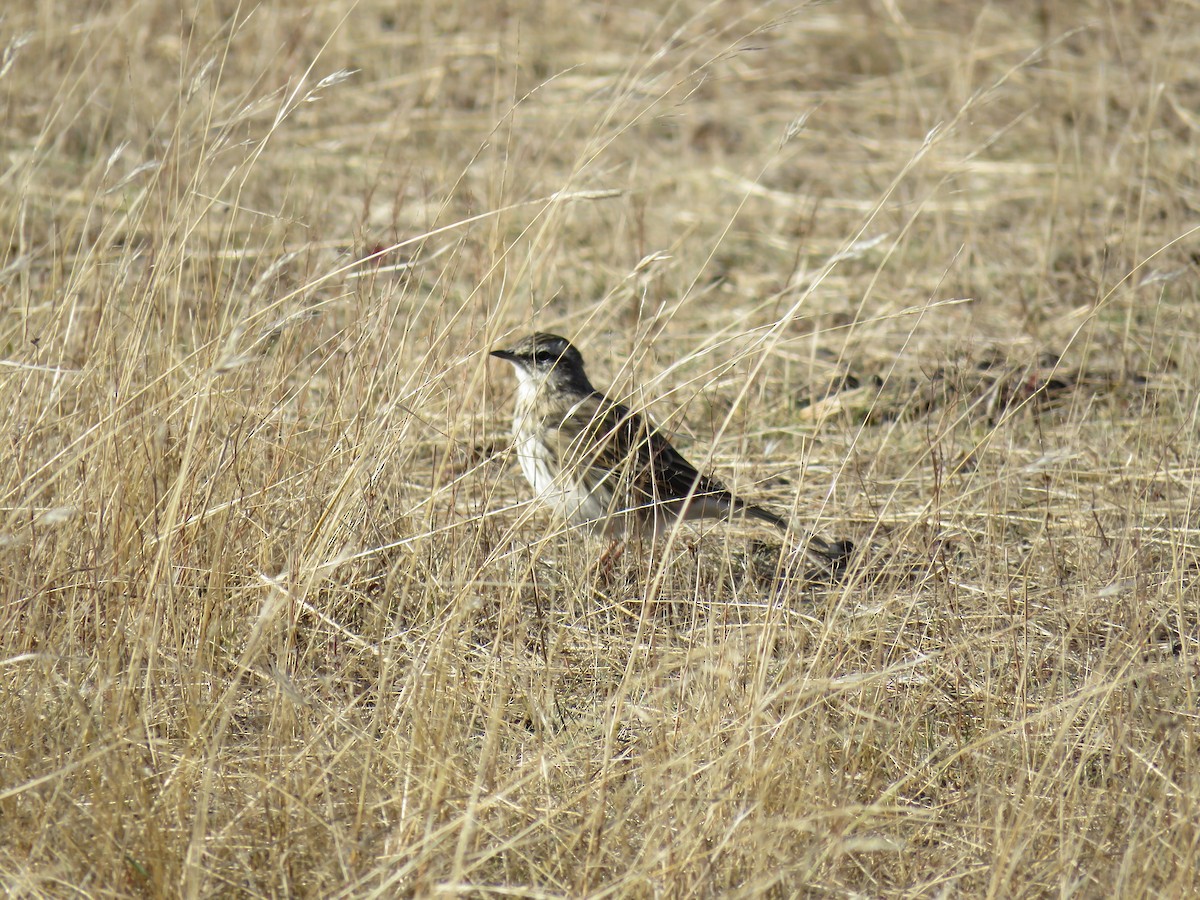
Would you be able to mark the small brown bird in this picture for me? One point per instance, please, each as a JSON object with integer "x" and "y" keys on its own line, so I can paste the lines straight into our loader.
{"x": 601, "y": 465}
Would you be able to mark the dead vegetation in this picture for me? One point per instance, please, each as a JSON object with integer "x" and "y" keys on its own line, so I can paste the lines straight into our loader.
{"x": 276, "y": 618}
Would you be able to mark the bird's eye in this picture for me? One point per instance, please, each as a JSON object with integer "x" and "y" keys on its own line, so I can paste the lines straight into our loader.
{"x": 545, "y": 357}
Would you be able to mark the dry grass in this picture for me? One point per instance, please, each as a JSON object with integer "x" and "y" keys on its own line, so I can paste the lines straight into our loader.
{"x": 276, "y": 616}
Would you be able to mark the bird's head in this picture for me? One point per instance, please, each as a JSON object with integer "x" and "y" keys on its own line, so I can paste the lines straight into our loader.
{"x": 547, "y": 360}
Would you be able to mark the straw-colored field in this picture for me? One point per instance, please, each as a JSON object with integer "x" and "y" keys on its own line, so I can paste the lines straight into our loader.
{"x": 277, "y": 617}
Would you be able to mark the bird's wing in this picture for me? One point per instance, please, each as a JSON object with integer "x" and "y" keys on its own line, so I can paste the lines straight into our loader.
{"x": 611, "y": 440}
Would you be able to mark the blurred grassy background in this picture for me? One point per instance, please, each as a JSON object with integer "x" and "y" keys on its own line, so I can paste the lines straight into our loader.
{"x": 276, "y": 616}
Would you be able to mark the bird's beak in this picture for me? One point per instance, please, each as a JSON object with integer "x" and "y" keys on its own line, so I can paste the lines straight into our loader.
{"x": 504, "y": 354}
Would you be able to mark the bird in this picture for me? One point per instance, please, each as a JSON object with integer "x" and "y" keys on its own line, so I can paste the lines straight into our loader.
{"x": 605, "y": 467}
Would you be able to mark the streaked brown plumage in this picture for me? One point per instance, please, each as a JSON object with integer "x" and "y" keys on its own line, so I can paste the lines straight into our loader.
{"x": 604, "y": 466}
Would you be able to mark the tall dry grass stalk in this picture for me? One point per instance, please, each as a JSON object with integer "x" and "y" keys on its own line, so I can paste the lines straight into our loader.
{"x": 276, "y": 616}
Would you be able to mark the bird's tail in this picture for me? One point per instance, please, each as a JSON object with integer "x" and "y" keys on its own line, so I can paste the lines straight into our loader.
{"x": 750, "y": 511}
{"x": 829, "y": 556}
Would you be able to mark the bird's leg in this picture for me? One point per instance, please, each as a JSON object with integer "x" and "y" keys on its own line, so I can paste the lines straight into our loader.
{"x": 616, "y": 549}
{"x": 604, "y": 572}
